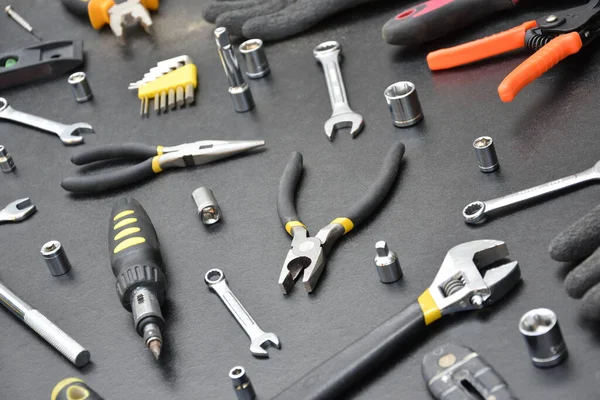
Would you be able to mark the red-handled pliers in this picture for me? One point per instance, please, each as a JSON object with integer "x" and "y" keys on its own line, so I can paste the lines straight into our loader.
{"x": 554, "y": 38}
{"x": 436, "y": 18}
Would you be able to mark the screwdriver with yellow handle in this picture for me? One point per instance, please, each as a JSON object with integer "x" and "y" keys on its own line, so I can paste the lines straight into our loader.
{"x": 73, "y": 389}
{"x": 116, "y": 13}
{"x": 137, "y": 263}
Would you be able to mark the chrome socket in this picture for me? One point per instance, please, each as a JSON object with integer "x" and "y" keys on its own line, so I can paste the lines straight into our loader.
{"x": 403, "y": 102}
{"x": 80, "y": 86}
{"x": 543, "y": 337}
{"x": 241, "y": 384}
{"x": 208, "y": 208}
{"x": 6, "y": 161}
{"x": 253, "y": 52}
{"x": 56, "y": 258}
{"x": 486, "y": 154}
{"x": 386, "y": 263}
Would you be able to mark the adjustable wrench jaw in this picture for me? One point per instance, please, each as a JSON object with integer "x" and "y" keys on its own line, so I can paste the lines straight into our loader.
{"x": 472, "y": 276}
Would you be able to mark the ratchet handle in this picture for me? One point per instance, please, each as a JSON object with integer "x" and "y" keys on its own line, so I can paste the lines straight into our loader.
{"x": 436, "y": 18}
{"x": 337, "y": 375}
{"x": 540, "y": 62}
{"x": 286, "y": 206}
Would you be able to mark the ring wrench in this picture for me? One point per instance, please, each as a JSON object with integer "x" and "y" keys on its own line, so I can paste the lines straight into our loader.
{"x": 17, "y": 211}
{"x": 215, "y": 279}
{"x": 66, "y": 133}
{"x": 328, "y": 54}
{"x": 477, "y": 211}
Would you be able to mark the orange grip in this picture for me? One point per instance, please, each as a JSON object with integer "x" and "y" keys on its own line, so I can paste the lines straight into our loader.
{"x": 150, "y": 5}
{"x": 98, "y": 12}
{"x": 479, "y": 49}
{"x": 541, "y": 61}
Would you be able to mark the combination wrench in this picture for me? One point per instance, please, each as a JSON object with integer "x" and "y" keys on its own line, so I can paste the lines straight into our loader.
{"x": 215, "y": 279}
{"x": 477, "y": 211}
{"x": 66, "y": 133}
{"x": 328, "y": 54}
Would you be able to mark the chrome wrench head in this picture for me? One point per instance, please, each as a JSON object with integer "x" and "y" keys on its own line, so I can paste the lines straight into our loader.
{"x": 259, "y": 340}
{"x": 328, "y": 54}
{"x": 68, "y": 134}
{"x": 17, "y": 211}
{"x": 474, "y": 213}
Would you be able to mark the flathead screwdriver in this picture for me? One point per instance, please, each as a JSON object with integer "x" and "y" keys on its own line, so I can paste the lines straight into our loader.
{"x": 21, "y": 21}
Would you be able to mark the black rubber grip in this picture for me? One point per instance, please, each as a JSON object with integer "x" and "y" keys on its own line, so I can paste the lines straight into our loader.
{"x": 109, "y": 180}
{"x": 76, "y": 389}
{"x": 380, "y": 188}
{"x": 434, "y": 19}
{"x": 77, "y": 7}
{"x": 336, "y": 376}
{"x": 286, "y": 197}
{"x": 135, "y": 151}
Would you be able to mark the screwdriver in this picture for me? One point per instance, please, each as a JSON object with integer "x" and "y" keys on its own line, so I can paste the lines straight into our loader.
{"x": 137, "y": 264}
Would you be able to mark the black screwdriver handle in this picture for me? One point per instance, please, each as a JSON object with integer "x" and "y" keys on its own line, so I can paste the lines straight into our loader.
{"x": 333, "y": 378}
{"x": 436, "y": 18}
{"x": 135, "y": 256}
{"x": 73, "y": 388}
{"x": 378, "y": 191}
{"x": 134, "y": 151}
{"x": 109, "y": 180}
{"x": 286, "y": 206}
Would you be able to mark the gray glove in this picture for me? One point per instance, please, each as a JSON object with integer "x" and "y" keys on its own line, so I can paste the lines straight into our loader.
{"x": 581, "y": 241}
{"x": 273, "y": 19}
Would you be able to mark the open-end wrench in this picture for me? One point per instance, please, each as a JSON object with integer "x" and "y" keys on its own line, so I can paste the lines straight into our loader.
{"x": 477, "y": 211}
{"x": 328, "y": 54}
{"x": 215, "y": 279}
{"x": 17, "y": 211}
{"x": 66, "y": 133}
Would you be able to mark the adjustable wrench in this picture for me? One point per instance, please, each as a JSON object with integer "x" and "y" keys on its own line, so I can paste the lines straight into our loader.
{"x": 328, "y": 54}
{"x": 66, "y": 133}
{"x": 215, "y": 279}
{"x": 472, "y": 276}
{"x": 476, "y": 212}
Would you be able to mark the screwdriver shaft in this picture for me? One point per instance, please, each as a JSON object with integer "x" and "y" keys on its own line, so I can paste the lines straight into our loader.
{"x": 21, "y": 21}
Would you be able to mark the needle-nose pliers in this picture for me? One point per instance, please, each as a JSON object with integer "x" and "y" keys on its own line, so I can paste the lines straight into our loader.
{"x": 157, "y": 158}
{"x": 309, "y": 254}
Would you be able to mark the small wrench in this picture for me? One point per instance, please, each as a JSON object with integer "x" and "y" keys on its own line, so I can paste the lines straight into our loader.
{"x": 17, "y": 211}
{"x": 66, "y": 133}
{"x": 477, "y": 211}
{"x": 328, "y": 54}
{"x": 215, "y": 279}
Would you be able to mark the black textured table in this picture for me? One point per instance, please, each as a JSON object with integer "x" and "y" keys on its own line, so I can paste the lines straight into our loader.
{"x": 548, "y": 132}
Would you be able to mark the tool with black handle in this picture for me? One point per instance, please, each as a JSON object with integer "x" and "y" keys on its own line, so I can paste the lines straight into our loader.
{"x": 460, "y": 285}
{"x": 137, "y": 263}
{"x": 436, "y": 18}
{"x": 73, "y": 389}
{"x": 308, "y": 254}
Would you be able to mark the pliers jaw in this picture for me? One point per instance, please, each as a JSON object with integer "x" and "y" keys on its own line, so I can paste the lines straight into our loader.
{"x": 306, "y": 258}
{"x": 473, "y": 275}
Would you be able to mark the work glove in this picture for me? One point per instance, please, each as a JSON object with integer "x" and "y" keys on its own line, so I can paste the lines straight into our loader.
{"x": 273, "y": 19}
{"x": 581, "y": 241}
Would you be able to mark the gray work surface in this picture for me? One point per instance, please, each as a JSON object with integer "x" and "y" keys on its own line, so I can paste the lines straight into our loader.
{"x": 548, "y": 132}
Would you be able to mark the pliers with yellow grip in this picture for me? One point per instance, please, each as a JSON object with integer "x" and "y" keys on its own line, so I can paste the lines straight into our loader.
{"x": 116, "y": 13}
{"x": 308, "y": 254}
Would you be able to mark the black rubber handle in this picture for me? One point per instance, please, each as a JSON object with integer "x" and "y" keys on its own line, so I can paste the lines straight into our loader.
{"x": 436, "y": 18}
{"x": 286, "y": 206}
{"x": 65, "y": 390}
{"x": 135, "y": 151}
{"x": 135, "y": 256}
{"x": 109, "y": 180}
{"x": 380, "y": 188}
{"x": 77, "y": 7}
{"x": 336, "y": 376}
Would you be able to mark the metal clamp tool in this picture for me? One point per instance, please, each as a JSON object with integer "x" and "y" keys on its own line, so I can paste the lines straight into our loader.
{"x": 477, "y": 211}
{"x": 17, "y": 211}
{"x": 460, "y": 285}
{"x": 66, "y": 133}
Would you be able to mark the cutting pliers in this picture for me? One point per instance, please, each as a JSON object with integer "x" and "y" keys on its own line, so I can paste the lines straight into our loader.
{"x": 157, "y": 158}
{"x": 308, "y": 254}
{"x": 553, "y": 38}
{"x": 116, "y": 13}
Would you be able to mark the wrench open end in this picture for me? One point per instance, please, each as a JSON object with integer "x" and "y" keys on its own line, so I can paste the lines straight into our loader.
{"x": 258, "y": 346}
{"x": 474, "y": 213}
{"x": 70, "y": 135}
{"x": 352, "y": 120}
{"x": 18, "y": 210}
